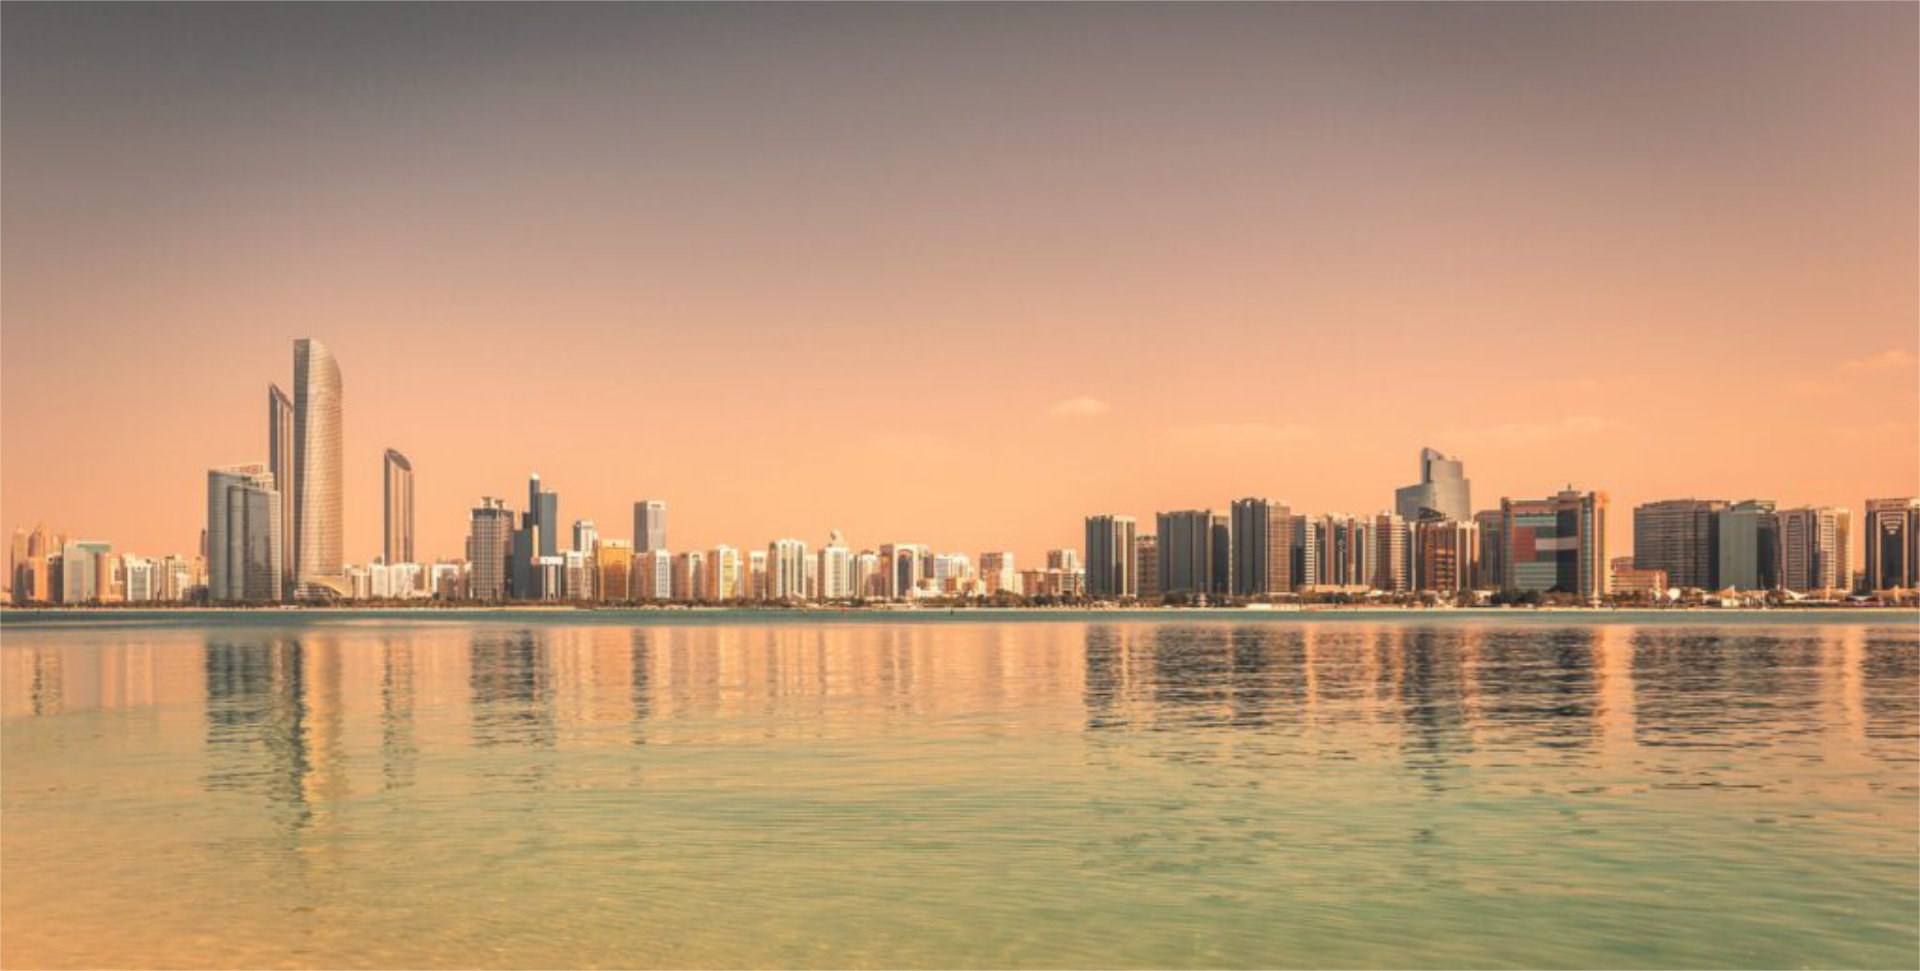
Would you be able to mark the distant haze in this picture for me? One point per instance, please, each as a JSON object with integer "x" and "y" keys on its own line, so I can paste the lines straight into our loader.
{"x": 958, "y": 275}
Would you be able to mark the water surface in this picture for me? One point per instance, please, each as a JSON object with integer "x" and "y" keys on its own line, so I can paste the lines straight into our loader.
{"x": 728, "y": 791}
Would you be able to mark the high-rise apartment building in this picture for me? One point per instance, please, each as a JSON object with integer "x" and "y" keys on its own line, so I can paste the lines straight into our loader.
{"x": 280, "y": 451}
{"x": 1443, "y": 491}
{"x": 1815, "y": 549}
{"x": 319, "y": 568}
{"x": 723, "y": 574}
{"x": 836, "y": 569}
{"x": 543, "y": 517}
{"x": 1112, "y": 571}
{"x": 1392, "y": 543}
{"x": 396, "y": 504}
{"x": 244, "y": 528}
{"x": 1195, "y": 553}
{"x": 490, "y": 544}
{"x": 756, "y": 582}
{"x": 787, "y": 570}
{"x": 1261, "y": 539}
{"x": 652, "y": 576}
{"x": 1681, "y": 537}
{"x": 1444, "y": 553}
{"x": 1557, "y": 545}
{"x": 997, "y": 572}
{"x": 690, "y": 576}
{"x": 1303, "y": 550}
{"x": 1490, "y": 573}
{"x": 649, "y": 525}
{"x": 1893, "y": 543}
{"x": 902, "y": 563}
{"x": 1345, "y": 551}
{"x": 1146, "y": 554}
{"x": 1748, "y": 546}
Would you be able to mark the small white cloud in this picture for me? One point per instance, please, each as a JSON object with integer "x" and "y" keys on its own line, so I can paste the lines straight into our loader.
{"x": 1245, "y": 433}
{"x": 1535, "y": 432}
{"x": 1892, "y": 359}
{"x": 1079, "y": 407}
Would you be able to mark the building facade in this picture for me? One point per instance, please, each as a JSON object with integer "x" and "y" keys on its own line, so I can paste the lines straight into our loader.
{"x": 396, "y": 506}
{"x": 319, "y": 567}
{"x": 1112, "y": 571}
{"x": 1443, "y": 491}
{"x": 1557, "y": 545}
{"x": 1680, "y": 537}
{"x": 1261, "y": 538}
{"x": 244, "y": 530}
{"x": 1892, "y": 535}
{"x": 1815, "y": 549}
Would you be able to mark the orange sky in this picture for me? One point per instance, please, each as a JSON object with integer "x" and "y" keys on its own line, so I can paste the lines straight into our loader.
{"x": 958, "y": 275}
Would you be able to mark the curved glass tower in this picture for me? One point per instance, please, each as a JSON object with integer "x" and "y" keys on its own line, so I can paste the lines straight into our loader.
{"x": 318, "y": 565}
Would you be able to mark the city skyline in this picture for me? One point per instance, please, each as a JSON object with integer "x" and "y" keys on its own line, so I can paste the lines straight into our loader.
{"x": 937, "y": 313}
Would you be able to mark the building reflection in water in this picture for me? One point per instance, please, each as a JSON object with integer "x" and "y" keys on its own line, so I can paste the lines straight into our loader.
{"x": 281, "y": 715}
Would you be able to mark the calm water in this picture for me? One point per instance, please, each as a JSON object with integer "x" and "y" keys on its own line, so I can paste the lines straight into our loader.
{"x": 739, "y": 792}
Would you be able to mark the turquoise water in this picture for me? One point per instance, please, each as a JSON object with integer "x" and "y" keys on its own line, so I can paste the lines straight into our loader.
{"x": 1040, "y": 790}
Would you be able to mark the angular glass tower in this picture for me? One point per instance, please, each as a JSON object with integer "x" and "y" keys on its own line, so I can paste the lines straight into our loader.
{"x": 1443, "y": 490}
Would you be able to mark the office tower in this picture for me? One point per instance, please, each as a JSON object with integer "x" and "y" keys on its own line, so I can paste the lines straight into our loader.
{"x": 585, "y": 540}
{"x": 1893, "y": 543}
{"x": 543, "y": 517}
{"x": 523, "y": 582}
{"x": 490, "y": 536}
{"x": 1632, "y": 581}
{"x": 396, "y": 504}
{"x": 652, "y": 575}
{"x": 80, "y": 570}
{"x": 319, "y": 569}
{"x": 1815, "y": 549}
{"x": 1191, "y": 562}
{"x": 786, "y": 570}
{"x": 997, "y": 573}
{"x": 1748, "y": 555}
{"x": 280, "y": 451}
{"x": 902, "y": 563}
{"x": 1557, "y": 545}
{"x": 1391, "y": 540}
{"x": 1262, "y": 547}
{"x": 1112, "y": 571}
{"x": 649, "y": 525}
{"x": 690, "y": 575}
{"x": 1443, "y": 491}
{"x": 1444, "y": 552}
{"x": 244, "y": 529}
{"x": 613, "y": 563}
{"x": 1342, "y": 550}
{"x": 585, "y": 536}
{"x": 1490, "y": 573}
{"x": 836, "y": 569}
{"x": 1681, "y": 537}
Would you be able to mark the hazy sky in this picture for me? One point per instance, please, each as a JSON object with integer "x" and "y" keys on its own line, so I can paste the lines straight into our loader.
{"x": 958, "y": 275}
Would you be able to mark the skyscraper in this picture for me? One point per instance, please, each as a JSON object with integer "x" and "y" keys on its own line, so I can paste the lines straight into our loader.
{"x": 1682, "y": 537}
{"x": 1491, "y": 572}
{"x": 1557, "y": 545}
{"x": 1443, "y": 555}
{"x": 543, "y": 515}
{"x": 1262, "y": 547}
{"x": 1112, "y": 571}
{"x": 1815, "y": 550}
{"x": 786, "y": 570}
{"x": 1443, "y": 491}
{"x": 614, "y": 561}
{"x": 243, "y": 535}
{"x": 396, "y": 503}
{"x": 1748, "y": 557}
{"x": 80, "y": 568}
{"x": 1146, "y": 553}
{"x": 319, "y": 568}
{"x": 1893, "y": 543}
{"x": 489, "y": 550}
{"x": 723, "y": 574}
{"x": 649, "y": 525}
{"x": 1392, "y": 541}
{"x": 1191, "y": 562}
{"x": 280, "y": 450}
{"x": 836, "y": 569}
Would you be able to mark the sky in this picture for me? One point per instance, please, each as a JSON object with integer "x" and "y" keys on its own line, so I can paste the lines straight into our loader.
{"x": 959, "y": 275}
